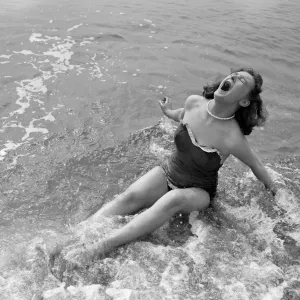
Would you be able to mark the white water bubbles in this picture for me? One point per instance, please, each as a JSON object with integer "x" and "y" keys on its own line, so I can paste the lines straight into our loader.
{"x": 33, "y": 93}
{"x": 74, "y": 27}
{"x": 62, "y": 52}
{"x": 9, "y": 145}
{"x": 159, "y": 151}
{"x": 38, "y": 37}
{"x": 28, "y": 91}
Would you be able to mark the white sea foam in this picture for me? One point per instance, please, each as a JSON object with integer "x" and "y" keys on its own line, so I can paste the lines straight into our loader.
{"x": 58, "y": 106}
{"x": 296, "y": 236}
{"x": 195, "y": 247}
{"x": 235, "y": 291}
{"x": 275, "y": 293}
{"x": 74, "y": 27}
{"x": 85, "y": 43}
{"x": 255, "y": 222}
{"x": 63, "y": 53}
{"x": 15, "y": 160}
{"x": 48, "y": 117}
{"x": 174, "y": 278}
{"x": 31, "y": 129}
{"x": 21, "y": 93}
{"x": 26, "y": 91}
{"x": 158, "y": 151}
{"x": 95, "y": 71}
{"x": 55, "y": 38}
{"x": 36, "y": 37}
{"x": 9, "y": 145}
{"x": 119, "y": 294}
{"x": 5, "y": 56}
{"x": 25, "y": 52}
{"x": 290, "y": 204}
{"x": 166, "y": 125}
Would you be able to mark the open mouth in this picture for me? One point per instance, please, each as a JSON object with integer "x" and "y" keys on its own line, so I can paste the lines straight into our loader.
{"x": 226, "y": 86}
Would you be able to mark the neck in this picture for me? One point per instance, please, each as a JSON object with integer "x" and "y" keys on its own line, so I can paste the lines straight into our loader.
{"x": 220, "y": 110}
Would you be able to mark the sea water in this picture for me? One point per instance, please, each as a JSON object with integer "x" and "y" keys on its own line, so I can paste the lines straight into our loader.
{"x": 80, "y": 121}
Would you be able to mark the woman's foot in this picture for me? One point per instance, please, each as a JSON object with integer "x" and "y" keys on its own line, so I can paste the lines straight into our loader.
{"x": 84, "y": 254}
{"x": 54, "y": 246}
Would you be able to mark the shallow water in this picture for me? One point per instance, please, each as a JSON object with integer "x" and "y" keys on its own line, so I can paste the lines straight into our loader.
{"x": 80, "y": 82}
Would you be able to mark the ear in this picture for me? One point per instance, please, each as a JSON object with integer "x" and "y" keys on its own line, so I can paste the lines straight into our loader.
{"x": 244, "y": 102}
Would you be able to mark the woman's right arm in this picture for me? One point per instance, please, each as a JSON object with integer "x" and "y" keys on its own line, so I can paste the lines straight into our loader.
{"x": 174, "y": 114}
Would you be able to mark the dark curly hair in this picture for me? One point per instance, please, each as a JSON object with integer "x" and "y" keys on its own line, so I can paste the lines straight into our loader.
{"x": 255, "y": 114}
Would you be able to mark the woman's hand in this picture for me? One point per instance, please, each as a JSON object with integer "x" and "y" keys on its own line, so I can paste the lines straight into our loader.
{"x": 165, "y": 104}
{"x": 272, "y": 188}
{"x": 174, "y": 114}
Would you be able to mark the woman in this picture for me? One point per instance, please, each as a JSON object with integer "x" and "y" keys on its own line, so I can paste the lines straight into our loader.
{"x": 209, "y": 131}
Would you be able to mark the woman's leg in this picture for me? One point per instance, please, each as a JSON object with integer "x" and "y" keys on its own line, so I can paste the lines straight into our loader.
{"x": 175, "y": 201}
{"x": 179, "y": 200}
{"x": 141, "y": 194}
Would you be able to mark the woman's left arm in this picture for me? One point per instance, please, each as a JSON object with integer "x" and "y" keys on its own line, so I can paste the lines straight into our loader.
{"x": 241, "y": 149}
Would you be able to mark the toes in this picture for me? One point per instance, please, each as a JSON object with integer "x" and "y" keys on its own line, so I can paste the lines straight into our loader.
{"x": 55, "y": 247}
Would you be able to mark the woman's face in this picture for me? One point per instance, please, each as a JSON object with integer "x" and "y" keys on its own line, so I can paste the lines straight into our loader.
{"x": 235, "y": 87}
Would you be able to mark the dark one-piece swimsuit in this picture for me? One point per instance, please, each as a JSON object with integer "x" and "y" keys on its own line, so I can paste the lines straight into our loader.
{"x": 192, "y": 165}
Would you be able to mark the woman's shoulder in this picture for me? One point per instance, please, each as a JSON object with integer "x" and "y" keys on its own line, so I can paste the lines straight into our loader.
{"x": 194, "y": 100}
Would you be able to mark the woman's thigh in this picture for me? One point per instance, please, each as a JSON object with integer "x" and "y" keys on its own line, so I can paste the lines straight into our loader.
{"x": 193, "y": 199}
{"x": 149, "y": 188}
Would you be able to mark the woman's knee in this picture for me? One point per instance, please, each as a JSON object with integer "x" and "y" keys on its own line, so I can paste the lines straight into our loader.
{"x": 185, "y": 200}
{"x": 174, "y": 201}
{"x": 197, "y": 199}
{"x": 130, "y": 197}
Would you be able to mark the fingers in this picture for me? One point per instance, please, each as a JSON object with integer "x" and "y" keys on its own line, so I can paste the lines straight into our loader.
{"x": 273, "y": 189}
{"x": 164, "y": 101}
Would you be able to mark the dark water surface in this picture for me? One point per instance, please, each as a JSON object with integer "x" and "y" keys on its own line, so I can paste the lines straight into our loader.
{"x": 79, "y": 85}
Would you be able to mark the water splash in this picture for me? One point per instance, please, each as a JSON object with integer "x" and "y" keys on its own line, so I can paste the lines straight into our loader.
{"x": 238, "y": 250}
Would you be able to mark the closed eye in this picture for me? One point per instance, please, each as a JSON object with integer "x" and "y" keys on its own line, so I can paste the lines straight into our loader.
{"x": 242, "y": 79}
